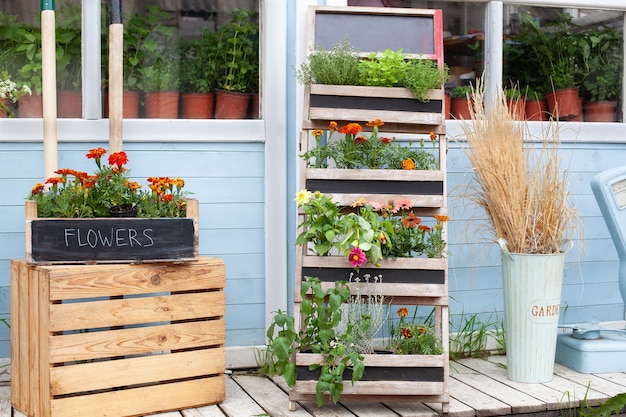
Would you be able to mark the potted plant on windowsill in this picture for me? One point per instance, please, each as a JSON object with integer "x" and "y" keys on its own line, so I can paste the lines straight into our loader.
{"x": 399, "y": 89}
{"x": 536, "y": 107}
{"x": 602, "y": 58}
{"x": 200, "y": 75}
{"x": 160, "y": 82}
{"x": 461, "y": 102}
{"x": 68, "y": 58}
{"x": 237, "y": 46}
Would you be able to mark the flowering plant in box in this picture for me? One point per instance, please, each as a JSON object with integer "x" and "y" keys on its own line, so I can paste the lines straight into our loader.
{"x": 367, "y": 231}
{"x": 411, "y": 337}
{"x": 10, "y": 93}
{"x": 75, "y": 194}
{"x": 356, "y": 150}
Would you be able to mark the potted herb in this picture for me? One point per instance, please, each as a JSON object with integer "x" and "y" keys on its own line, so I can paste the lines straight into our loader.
{"x": 237, "y": 46}
{"x": 160, "y": 81}
{"x": 461, "y": 102}
{"x": 516, "y": 102}
{"x": 200, "y": 76}
{"x": 423, "y": 75}
{"x": 602, "y": 59}
{"x": 536, "y": 107}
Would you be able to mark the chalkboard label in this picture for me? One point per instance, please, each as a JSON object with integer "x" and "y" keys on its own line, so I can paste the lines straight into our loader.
{"x": 93, "y": 240}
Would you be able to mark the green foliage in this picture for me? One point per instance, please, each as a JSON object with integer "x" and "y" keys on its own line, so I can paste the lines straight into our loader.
{"x": 602, "y": 62}
{"x": 471, "y": 339}
{"x": 321, "y": 312}
{"x": 336, "y": 67}
{"x": 462, "y": 91}
{"x": 199, "y": 63}
{"x": 423, "y": 75}
{"x": 385, "y": 70}
{"x": 614, "y": 404}
{"x": 69, "y": 49}
{"x": 237, "y": 43}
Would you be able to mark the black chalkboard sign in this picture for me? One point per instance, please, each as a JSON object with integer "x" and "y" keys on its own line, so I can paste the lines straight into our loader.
{"x": 112, "y": 239}
{"x": 417, "y": 32}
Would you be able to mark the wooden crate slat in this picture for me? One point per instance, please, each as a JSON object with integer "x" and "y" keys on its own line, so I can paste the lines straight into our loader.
{"x": 112, "y": 280}
{"x": 92, "y": 376}
{"x": 399, "y": 263}
{"x": 374, "y": 174}
{"x": 374, "y": 398}
{"x": 431, "y": 201}
{"x": 359, "y": 90}
{"x": 382, "y": 360}
{"x": 133, "y": 341}
{"x": 358, "y": 115}
{"x": 119, "y": 312}
{"x": 379, "y": 388}
{"x": 143, "y": 400}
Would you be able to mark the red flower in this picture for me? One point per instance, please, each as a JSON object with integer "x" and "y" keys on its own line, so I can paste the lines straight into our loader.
{"x": 118, "y": 158}
{"x": 351, "y": 129}
{"x": 96, "y": 153}
{"x": 37, "y": 189}
{"x": 386, "y": 141}
{"x": 361, "y": 139}
{"x": 406, "y": 333}
{"x": 424, "y": 228}
{"x": 403, "y": 312}
{"x": 357, "y": 257}
{"x": 433, "y": 136}
{"x": 55, "y": 180}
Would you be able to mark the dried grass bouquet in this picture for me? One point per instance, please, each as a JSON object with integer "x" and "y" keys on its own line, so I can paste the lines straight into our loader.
{"x": 520, "y": 185}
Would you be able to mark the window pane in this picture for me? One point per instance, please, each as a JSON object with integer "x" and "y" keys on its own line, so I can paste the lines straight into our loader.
{"x": 180, "y": 55}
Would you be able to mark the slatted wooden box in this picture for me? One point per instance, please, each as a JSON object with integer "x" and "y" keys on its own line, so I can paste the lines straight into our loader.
{"x": 112, "y": 239}
{"x": 116, "y": 340}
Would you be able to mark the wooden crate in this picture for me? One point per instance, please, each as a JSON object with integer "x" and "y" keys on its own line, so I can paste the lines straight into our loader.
{"x": 116, "y": 340}
{"x": 111, "y": 240}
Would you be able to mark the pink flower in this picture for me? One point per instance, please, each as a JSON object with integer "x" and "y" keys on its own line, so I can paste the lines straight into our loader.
{"x": 402, "y": 204}
{"x": 357, "y": 257}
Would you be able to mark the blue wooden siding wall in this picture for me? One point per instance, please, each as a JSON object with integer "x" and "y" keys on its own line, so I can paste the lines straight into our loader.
{"x": 226, "y": 178}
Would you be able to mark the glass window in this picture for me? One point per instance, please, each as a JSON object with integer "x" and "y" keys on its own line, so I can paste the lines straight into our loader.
{"x": 179, "y": 47}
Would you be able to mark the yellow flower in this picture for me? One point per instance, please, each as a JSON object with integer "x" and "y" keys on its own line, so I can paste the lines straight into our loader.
{"x": 303, "y": 197}
{"x": 317, "y": 132}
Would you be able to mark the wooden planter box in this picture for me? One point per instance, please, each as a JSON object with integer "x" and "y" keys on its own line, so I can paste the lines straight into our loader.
{"x": 111, "y": 240}
{"x": 387, "y": 377}
{"x": 406, "y": 280}
{"x": 422, "y": 188}
{"x": 116, "y": 340}
{"x": 360, "y": 104}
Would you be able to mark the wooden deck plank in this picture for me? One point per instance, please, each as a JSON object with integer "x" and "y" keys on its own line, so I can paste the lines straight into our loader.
{"x": 329, "y": 410}
{"x": 479, "y": 401}
{"x": 365, "y": 409}
{"x": 518, "y": 401}
{"x": 269, "y": 396}
{"x": 238, "y": 403}
{"x": 412, "y": 410}
{"x": 598, "y": 383}
{"x": 208, "y": 411}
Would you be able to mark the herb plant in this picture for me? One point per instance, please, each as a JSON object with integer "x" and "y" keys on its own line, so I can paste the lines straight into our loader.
{"x": 337, "y": 67}
{"x": 414, "y": 337}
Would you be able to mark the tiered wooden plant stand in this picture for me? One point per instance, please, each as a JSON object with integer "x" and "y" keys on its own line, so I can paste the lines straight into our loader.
{"x": 405, "y": 281}
{"x": 119, "y": 340}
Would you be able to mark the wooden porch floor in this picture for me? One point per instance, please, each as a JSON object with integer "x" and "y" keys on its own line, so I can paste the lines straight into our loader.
{"x": 478, "y": 388}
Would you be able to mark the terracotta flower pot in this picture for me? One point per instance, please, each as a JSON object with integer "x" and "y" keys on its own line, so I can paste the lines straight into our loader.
{"x": 69, "y": 104}
{"x": 130, "y": 104}
{"x": 161, "y": 104}
{"x": 197, "y": 105}
{"x": 30, "y": 106}
{"x": 447, "y": 101}
{"x": 536, "y": 110}
{"x": 459, "y": 108}
{"x": 600, "y": 111}
{"x": 517, "y": 108}
{"x": 563, "y": 104}
{"x": 231, "y": 105}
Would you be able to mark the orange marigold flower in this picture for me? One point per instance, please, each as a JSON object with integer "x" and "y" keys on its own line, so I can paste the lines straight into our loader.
{"x": 55, "y": 180}
{"x": 166, "y": 198}
{"x": 408, "y": 164}
{"x": 96, "y": 153}
{"x": 332, "y": 126}
{"x": 317, "y": 132}
{"x": 410, "y": 221}
{"x": 37, "y": 189}
{"x": 406, "y": 333}
{"x": 386, "y": 141}
{"x": 118, "y": 158}
{"x": 441, "y": 218}
{"x": 433, "y": 136}
{"x": 403, "y": 312}
{"x": 66, "y": 171}
{"x": 423, "y": 228}
{"x": 132, "y": 185}
{"x": 351, "y": 129}
{"x": 179, "y": 182}
{"x": 361, "y": 139}
{"x": 375, "y": 123}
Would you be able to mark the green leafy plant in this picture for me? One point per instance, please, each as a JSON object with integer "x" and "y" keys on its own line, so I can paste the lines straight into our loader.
{"x": 462, "y": 91}
{"x": 321, "y": 316}
{"x": 76, "y": 194}
{"x": 602, "y": 61}
{"x": 238, "y": 48}
{"x": 414, "y": 337}
{"x": 423, "y": 75}
{"x": 68, "y": 50}
{"x": 161, "y": 70}
{"x": 385, "y": 69}
{"x": 358, "y": 151}
{"x": 606, "y": 408}
{"x": 372, "y": 231}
